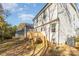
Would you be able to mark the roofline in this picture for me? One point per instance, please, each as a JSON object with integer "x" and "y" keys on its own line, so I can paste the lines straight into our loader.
{"x": 42, "y": 10}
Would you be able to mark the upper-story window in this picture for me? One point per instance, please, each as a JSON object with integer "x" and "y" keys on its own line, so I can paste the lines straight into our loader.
{"x": 37, "y": 20}
{"x": 41, "y": 28}
{"x": 44, "y": 15}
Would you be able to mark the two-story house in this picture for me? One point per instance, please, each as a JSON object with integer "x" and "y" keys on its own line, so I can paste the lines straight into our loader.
{"x": 58, "y": 21}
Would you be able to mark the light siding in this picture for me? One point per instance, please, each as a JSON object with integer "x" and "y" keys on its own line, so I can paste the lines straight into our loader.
{"x": 64, "y": 16}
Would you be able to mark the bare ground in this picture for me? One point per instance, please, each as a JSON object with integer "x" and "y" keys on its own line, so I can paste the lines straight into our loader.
{"x": 19, "y": 48}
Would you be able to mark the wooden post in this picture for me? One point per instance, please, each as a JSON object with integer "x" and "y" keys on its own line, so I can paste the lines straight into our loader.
{"x": 25, "y": 32}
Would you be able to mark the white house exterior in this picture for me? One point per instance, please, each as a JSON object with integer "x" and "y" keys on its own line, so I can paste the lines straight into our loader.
{"x": 58, "y": 21}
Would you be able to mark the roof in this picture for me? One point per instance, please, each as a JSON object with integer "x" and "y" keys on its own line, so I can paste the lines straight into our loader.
{"x": 21, "y": 26}
{"x": 47, "y": 5}
{"x": 42, "y": 10}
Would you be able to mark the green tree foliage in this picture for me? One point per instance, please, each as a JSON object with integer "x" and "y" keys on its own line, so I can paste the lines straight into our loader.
{"x": 6, "y": 30}
{"x": 13, "y": 30}
{"x": 1, "y": 22}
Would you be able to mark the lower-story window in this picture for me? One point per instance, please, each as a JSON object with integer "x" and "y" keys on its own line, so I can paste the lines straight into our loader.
{"x": 41, "y": 28}
{"x": 53, "y": 27}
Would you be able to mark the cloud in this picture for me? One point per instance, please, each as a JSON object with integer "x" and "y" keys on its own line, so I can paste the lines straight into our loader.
{"x": 25, "y": 17}
{"x": 21, "y": 9}
{"x": 10, "y": 6}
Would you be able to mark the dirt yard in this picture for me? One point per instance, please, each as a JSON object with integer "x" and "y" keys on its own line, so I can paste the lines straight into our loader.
{"x": 22, "y": 48}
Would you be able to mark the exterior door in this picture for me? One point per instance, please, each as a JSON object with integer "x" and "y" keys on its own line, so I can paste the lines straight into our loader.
{"x": 52, "y": 32}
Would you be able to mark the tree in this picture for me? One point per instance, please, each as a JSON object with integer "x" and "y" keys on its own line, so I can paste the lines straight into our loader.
{"x": 1, "y": 27}
{"x": 6, "y": 30}
{"x": 1, "y": 21}
{"x": 13, "y": 30}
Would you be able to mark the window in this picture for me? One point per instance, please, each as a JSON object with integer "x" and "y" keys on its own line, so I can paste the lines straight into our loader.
{"x": 44, "y": 15}
{"x": 53, "y": 27}
{"x": 41, "y": 28}
{"x": 37, "y": 21}
{"x": 44, "y": 28}
{"x": 35, "y": 29}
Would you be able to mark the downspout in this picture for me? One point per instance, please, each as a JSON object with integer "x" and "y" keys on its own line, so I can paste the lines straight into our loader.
{"x": 58, "y": 29}
{"x": 49, "y": 24}
{"x": 58, "y": 24}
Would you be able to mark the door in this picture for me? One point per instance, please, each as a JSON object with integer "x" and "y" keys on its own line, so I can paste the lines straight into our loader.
{"x": 52, "y": 32}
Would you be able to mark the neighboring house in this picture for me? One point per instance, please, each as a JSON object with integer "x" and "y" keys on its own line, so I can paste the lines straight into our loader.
{"x": 57, "y": 21}
{"x": 22, "y": 29}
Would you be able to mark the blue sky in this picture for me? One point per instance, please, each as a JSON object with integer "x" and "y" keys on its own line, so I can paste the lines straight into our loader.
{"x": 21, "y": 12}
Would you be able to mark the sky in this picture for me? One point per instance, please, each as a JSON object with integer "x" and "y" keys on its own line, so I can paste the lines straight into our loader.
{"x": 21, "y": 12}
